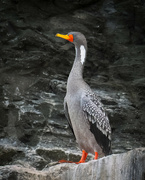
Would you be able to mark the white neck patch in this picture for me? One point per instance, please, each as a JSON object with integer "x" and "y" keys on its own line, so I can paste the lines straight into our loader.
{"x": 83, "y": 53}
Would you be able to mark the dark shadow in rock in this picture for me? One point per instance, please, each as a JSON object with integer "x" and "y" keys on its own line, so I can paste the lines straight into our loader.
{"x": 8, "y": 155}
{"x": 28, "y": 128}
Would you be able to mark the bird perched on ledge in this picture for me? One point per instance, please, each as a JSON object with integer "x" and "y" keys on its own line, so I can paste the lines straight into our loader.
{"x": 83, "y": 109}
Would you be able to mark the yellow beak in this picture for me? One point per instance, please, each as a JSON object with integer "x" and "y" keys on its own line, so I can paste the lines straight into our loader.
{"x": 67, "y": 37}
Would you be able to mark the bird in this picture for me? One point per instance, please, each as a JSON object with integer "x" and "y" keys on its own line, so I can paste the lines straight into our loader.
{"x": 84, "y": 110}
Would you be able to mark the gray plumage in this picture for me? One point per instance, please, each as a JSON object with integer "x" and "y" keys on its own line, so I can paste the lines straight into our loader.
{"x": 83, "y": 109}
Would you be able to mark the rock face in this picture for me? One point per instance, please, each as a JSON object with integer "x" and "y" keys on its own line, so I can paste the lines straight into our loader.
{"x": 34, "y": 66}
{"x": 126, "y": 166}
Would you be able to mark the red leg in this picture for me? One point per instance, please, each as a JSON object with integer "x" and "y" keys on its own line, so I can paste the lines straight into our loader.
{"x": 96, "y": 156}
{"x": 82, "y": 160}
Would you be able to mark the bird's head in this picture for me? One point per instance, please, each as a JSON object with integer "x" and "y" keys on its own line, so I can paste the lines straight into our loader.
{"x": 76, "y": 38}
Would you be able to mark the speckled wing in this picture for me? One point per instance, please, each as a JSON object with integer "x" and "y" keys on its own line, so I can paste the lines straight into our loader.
{"x": 99, "y": 123}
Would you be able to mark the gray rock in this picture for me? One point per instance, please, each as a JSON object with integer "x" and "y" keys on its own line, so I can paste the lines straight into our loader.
{"x": 126, "y": 166}
{"x": 34, "y": 66}
{"x": 9, "y": 154}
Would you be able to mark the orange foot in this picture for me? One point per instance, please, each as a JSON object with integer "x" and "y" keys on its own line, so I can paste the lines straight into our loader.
{"x": 82, "y": 160}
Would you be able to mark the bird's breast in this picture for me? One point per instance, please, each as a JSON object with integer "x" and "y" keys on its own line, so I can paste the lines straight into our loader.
{"x": 74, "y": 105}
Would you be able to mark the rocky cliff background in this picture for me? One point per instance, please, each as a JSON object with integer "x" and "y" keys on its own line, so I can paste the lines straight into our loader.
{"x": 34, "y": 66}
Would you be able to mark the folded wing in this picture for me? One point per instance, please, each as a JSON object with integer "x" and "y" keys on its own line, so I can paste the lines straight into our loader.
{"x": 99, "y": 123}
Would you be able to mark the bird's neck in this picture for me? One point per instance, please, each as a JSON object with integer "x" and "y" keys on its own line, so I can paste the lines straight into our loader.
{"x": 78, "y": 65}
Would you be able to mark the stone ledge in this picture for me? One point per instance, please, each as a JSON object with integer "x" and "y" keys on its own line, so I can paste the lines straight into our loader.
{"x": 125, "y": 166}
